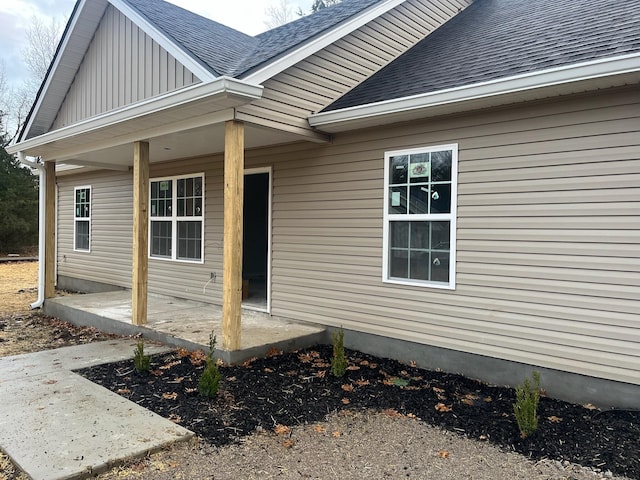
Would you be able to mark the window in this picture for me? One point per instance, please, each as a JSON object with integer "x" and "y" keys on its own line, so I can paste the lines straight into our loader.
{"x": 82, "y": 219}
{"x": 177, "y": 218}
{"x": 420, "y": 216}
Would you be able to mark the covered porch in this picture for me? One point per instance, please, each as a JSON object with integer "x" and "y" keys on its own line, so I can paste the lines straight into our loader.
{"x": 184, "y": 323}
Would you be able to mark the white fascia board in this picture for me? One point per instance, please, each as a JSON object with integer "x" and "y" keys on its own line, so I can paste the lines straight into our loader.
{"x": 201, "y": 91}
{"x": 519, "y": 83}
{"x": 64, "y": 44}
{"x": 309, "y": 48}
{"x": 191, "y": 63}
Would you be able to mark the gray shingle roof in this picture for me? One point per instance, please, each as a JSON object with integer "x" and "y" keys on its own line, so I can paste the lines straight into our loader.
{"x": 226, "y": 51}
{"x": 494, "y": 39}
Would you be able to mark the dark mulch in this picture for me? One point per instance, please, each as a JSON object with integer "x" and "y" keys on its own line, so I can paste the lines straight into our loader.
{"x": 296, "y": 388}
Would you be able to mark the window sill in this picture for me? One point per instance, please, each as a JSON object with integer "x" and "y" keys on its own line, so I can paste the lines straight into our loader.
{"x": 417, "y": 283}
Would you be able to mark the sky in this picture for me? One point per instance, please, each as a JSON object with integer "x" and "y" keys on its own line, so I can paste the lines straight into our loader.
{"x": 248, "y": 16}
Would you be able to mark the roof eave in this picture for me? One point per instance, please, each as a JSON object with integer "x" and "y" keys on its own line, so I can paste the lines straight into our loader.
{"x": 529, "y": 86}
{"x": 226, "y": 92}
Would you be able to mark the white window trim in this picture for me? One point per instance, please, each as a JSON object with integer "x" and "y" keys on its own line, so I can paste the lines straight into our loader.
{"x": 82, "y": 219}
{"x": 452, "y": 217}
{"x": 175, "y": 219}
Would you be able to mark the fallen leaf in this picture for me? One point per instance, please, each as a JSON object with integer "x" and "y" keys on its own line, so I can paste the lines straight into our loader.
{"x": 345, "y": 401}
{"x": 291, "y": 373}
{"x": 319, "y": 429}
{"x": 190, "y": 390}
{"x": 590, "y": 406}
{"x": 411, "y": 415}
{"x": 321, "y": 373}
{"x": 282, "y": 429}
{"x": 321, "y": 364}
{"x": 288, "y": 443}
{"x": 167, "y": 366}
{"x": 392, "y": 412}
{"x": 50, "y": 382}
{"x": 272, "y": 352}
{"x": 177, "y": 380}
{"x": 336, "y": 434}
{"x": 413, "y": 364}
{"x": 268, "y": 370}
{"x": 442, "y": 408}
{"x": 305, "y": 358}
{"x": 353, "y": 367}
{"x": 247, "y": 363}
{"x": 122, "y": 391}
{"x": 170, "y": 396}
{"x": 155, "y": 373}
{"x": 347, "y": 387}
{"x": 175, "y": 418}
{"x": 483, "y": 437}
{"x": 362, "y": 382}
{"x": 183, "y": 352}
{"x": 364, "y": 363}
{"x": 373, "y": 366}
{"x": 314, "y": 354}
{"x": 443, "y": 454}
{"x": 438, "y": 390}
{"x": 554, "y": 419}
{"x": 488, "y": 399}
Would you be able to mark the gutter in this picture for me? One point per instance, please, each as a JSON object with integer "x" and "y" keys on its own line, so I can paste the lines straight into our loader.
{"x": 591, "y": 70}
{"x": 42, "y": 178}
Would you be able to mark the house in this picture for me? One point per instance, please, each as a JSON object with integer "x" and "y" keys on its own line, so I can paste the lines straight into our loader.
{"x": 454, "y": 182}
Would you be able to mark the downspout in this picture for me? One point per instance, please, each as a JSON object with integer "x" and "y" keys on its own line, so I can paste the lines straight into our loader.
{"x": 42, "y": 178}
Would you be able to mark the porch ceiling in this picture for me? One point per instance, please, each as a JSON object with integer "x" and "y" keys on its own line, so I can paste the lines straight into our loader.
{"x": 185, "y": 123}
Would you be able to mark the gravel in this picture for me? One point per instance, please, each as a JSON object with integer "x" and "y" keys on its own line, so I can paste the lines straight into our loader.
{"x": 349, "y": 445}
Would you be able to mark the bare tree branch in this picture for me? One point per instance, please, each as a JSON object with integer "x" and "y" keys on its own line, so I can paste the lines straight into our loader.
{"x": 279, "y": 14}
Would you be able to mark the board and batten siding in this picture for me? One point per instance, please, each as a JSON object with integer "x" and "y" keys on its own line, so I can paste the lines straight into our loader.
{"x": 109, "y": 260}
{"x": 548, "y": 267}
{"x": 123, "y": 65}
{"x": 307, "y": 87}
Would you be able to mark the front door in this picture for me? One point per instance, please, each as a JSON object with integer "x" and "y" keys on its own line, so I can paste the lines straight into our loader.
{"x": 256, "y": 253}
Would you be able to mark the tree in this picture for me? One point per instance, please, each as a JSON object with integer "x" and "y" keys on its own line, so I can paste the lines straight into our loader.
{"x": 18, "y": 203}
{"x": 15, "y": 101}
{"x": 320, "y": 4}
{"x": 279, "y": 14}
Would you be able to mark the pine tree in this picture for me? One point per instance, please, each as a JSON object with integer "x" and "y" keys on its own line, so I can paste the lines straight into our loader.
{"x": 18, "y": 203}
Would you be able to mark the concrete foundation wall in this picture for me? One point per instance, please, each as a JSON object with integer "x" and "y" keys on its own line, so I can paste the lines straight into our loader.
{"x": 81, "y": 285}
{"x": 558, "y": 384}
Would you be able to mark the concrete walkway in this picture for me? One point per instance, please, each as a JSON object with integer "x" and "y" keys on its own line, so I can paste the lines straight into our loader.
{"x": 57, "y": 425}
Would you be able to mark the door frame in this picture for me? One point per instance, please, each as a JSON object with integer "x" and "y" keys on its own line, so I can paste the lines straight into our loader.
{"x": 269, "y": 171}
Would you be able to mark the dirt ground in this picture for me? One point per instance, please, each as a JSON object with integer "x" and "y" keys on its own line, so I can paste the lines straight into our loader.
{"x": 18, "y": 286}
{"x": 344, "y": 445}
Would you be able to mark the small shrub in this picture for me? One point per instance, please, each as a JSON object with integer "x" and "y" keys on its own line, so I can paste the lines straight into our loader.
{"x": 141, "y": 361}
{"x": 338, "y": 361}
{"x": 526, "y": 406}
{"x": 211, "y": 376}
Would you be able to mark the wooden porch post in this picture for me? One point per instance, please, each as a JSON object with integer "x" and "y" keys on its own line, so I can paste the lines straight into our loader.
{"x": 140, "y": 232}
{"x": 232, "y": 261}
{"x": 50, "y": 230}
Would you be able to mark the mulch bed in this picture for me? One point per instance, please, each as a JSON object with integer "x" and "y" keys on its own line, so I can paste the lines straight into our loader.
{"x": 296, "y": 388}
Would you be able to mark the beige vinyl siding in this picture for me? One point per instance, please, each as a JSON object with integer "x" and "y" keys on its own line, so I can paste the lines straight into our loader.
{"x": 548, "y": 236}
{"x": 109, "y": 260}
{"x": 312, "y": 84}
{"x": 123, "y": 65}
{"x": 188, "y": 279}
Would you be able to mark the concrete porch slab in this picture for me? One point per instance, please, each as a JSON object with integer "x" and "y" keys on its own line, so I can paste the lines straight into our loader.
{"x": 184, "y": 323}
